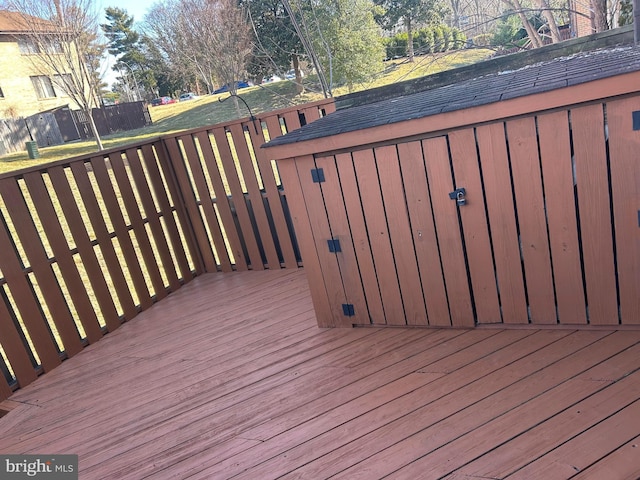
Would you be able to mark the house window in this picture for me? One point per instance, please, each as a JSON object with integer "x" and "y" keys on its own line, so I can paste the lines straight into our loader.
{"x": 63, "y": 84}
{"x": 27, "y": 46}
{"x": 43, "y": 86}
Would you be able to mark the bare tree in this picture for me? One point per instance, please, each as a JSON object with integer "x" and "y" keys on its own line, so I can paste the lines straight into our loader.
{"x": 210, "y": 37}
{"x": 62, "y": 38}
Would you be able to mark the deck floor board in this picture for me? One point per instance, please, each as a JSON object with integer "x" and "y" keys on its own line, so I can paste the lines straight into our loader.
{"x": 230, "y": 377}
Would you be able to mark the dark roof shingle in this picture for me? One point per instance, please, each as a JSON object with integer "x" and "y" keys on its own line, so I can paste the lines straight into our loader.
{"x": 542, "y": 77}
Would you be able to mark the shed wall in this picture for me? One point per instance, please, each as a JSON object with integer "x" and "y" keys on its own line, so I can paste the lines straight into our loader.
{"x": 547, "y": 234}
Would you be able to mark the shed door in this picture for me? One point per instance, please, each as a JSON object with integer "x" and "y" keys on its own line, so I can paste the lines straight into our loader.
{"x": 546, "y": 231}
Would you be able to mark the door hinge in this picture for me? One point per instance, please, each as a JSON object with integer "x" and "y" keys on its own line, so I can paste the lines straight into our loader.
{"x": 348, "y": 310}
{"x": 317, "y": 175}
{"x": 334, "y": 245}
{"x": 635, "y": 117}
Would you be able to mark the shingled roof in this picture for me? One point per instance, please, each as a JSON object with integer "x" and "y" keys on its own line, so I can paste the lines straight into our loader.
{"x": 14, "y": 23}
{"x": 542, "y": 77}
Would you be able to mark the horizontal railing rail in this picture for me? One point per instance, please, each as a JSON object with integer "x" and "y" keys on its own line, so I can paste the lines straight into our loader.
{"x": 89, "y": 242}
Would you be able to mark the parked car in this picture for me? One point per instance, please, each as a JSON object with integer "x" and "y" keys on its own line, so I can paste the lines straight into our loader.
{"x": 187, "y": 96}
{"x": 272, "y": 78}
{"x": 225, "y": 88}
{"x": 291, "y": 74}
{"x": 162, "y": 101}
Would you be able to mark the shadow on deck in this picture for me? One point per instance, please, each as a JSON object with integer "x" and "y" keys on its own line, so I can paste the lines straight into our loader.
{"x": 230, "y": 377}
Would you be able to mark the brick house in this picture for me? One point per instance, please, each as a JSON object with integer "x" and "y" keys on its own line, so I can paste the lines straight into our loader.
{"x": 23, "y": 89}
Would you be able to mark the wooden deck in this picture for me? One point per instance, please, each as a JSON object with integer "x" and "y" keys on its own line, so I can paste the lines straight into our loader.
{"x": 230, "y": 377}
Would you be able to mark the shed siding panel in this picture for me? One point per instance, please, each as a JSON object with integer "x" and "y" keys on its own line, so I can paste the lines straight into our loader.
{"x": 424, "y": 233}
{"x": 595, "y": 217}
{"x": 624, "y": 145}
{"x": 502, "y": 218}
{"x": 527, "y": 182}
{"x": 448, "y": 227}
{"x": 474, "y": 221}
{"x": 555, "y": 155}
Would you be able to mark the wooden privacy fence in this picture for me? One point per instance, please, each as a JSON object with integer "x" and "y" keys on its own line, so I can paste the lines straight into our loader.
{"x": 88, "y": 243}
{"x": 545, "y": 232}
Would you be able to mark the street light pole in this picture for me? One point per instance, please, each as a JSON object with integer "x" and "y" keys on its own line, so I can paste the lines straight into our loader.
{"x": 135, "y": 81}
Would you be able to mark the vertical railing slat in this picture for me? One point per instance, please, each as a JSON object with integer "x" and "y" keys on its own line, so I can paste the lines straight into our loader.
{"x": 169, "y": 171}
{"x": 34, "y": 249}
{"x": 26, "y": 302}
{"x": 274, "y": 199}
{"x": 69, "y": 204}
{"x": 138, "y": 223}
{"x": 103, "y": 238}
{"x": 121, "y": 230}
{"x": 68, "y": 269}
{"x": 231, "y": 173}
{"x": 14, "y": 349}
{"x": 209, "y": 217}
{"x": 142, "y": 186}
{"x": 255, "y": 195}
{"x": 203, "y": 255}
{"x": 222, "y": 202}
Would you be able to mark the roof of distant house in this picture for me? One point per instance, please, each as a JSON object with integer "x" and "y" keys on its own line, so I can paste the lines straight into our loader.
{"x": 542, "y": 77}
{"x": 14, "y": 22}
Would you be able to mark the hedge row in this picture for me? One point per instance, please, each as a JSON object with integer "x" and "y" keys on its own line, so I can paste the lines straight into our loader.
{"x": 439, "y": 38}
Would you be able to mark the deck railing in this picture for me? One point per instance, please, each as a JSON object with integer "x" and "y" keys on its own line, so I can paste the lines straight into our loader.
{"x": 90, "y": 242}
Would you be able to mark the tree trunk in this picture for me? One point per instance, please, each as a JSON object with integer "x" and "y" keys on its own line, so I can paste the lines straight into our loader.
{"x": 94, "y": 129}
{"x": 410, "y": 53}
{"x": 531, "y": 32}
{"x": 599, "y": 8}
{"x": 551, "y": 21}
{"x": 296, "y": 69}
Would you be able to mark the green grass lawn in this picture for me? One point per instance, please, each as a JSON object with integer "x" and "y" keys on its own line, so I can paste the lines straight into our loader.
{"x": 208, "y": 110}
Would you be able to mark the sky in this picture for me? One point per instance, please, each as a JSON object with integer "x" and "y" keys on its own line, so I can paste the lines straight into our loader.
{"x": 135, "y": 8}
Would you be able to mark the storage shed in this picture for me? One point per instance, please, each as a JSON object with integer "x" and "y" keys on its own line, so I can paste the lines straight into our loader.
{"x": 509, "y": 199}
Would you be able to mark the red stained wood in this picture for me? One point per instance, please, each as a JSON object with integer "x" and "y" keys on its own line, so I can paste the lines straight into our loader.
{"x": 464, "y": 158}
{"x": 231, "y": 174}
{"x": 624, "y": 145}
{"x": 397, "y": 216}
{"x": 332, "y": 196}
{"x": 557, "y": 171}
{"x": 68, "y": 202}
{"x": 214, "y": 389}
{"x": 168, "y": 176}
{"x": 162, "y": 192}
{"x": 103, "y": 237}
{"x": 68, "y": 269}
{"x": 622, "y": 464}
{"x": 310, "y": 258}
{"x": 225, "y": 214}
{"x": 379, "y": 236}
{"x": 121, "y": 230}
{"x": 502, "y": 218}
{"x": 255, "y": 195}
{"x": 201, "y": 190}
{"x": 436, "y": 156}
{"x": 360, "y": 238}
{"x": 587, "y": 126}
{"x": 423, "y": 232}
{"x": 321, "y": 230}
{"x": 274, "y": 198}
{"x": 529, "y": 197}
{"x": 34, "y": 249}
